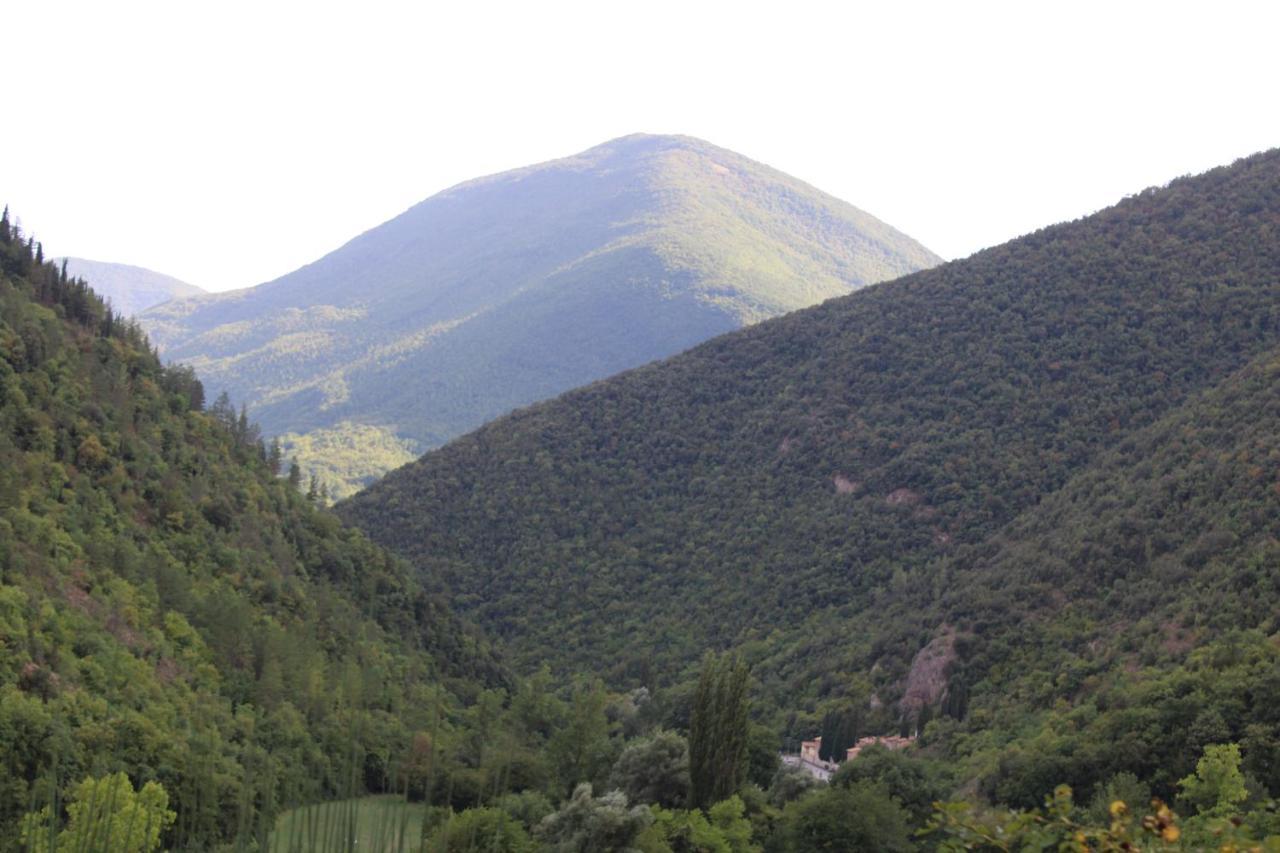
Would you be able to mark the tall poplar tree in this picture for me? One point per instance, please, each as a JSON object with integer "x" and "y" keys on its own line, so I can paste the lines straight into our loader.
{"x": 718, "y": 730}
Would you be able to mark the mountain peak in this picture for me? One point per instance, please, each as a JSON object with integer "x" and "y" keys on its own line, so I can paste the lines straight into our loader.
{"x": 510, "y": 289}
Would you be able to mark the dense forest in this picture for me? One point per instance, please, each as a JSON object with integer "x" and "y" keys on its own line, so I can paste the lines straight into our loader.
{"x": 513, "y": 288}
{"x": 195, "y": 656}
{"x": 173, "y": 609}
{"x": 1023, "y": 504}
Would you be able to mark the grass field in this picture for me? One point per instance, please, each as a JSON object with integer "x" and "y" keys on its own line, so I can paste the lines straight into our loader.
{"x": 382, "y": 824}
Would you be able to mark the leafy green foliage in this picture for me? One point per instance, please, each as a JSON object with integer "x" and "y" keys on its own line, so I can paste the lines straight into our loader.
{"x": 854, "y": 819}
{"x": 721, "y": 829}
{"x": 483, "y": 830}
{"x": 654, "y": 770}
{"x": 513, "y": 288}
{"x": 171, "y": 610}
{"x": 587, "y": 824}
{"x": 910, "y": 780}
{"x": 580, "y": 749}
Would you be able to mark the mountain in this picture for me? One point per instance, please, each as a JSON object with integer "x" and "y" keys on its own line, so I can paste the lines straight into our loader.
{"x": 513, "y": 288}
{"x": 1032, "y": 493}
{"x": 131, "y": 290}
{"x": 172, "y": 609}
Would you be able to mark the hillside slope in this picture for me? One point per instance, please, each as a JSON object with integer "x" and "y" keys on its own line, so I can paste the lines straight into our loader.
{"x": 513, "y": 288}
{"x": 1144, "y": 593}
{"x": 169, "y": 607}
{"x": 130, "y": 290}
{"x": 782, "y": 487}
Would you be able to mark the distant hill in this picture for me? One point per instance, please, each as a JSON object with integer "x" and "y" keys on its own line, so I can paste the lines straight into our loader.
{"x": 1033, "y": 493}
{"x": 131, "y": 290}
{"x": 510, "y": 289}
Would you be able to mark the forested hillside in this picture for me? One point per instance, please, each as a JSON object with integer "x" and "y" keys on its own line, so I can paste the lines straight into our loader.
{"x": 130, "y": 289}
{"x": 1022, "y": 506}
{"x": 513, "y": 288}
{"x": 1005, "y": 492}
{"x": 194, "y": 657}
{"x": 1146, "y": 591}
{"x": 170, "y": 607}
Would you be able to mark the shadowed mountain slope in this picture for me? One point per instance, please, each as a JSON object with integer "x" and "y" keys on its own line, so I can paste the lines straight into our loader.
{"x": 787, "y": 486}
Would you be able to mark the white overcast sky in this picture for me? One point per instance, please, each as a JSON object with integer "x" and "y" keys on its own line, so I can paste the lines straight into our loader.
{"x": 228, "y": 143}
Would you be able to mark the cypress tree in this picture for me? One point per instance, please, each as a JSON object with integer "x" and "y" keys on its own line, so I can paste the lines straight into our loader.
{"x": 242, "y": 425}
{"x": 956, "y": 701}
{"x": 718, "y": 730}
{"x": 830, "y": 731}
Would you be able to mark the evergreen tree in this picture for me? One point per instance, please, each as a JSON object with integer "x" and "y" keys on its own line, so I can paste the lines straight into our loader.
{"x": 275, "y": 457}
{"x": 223, "y": 412}
{"x": 956, "y": 701}
{"x": 295, "y": 476}
{"x": 718, "y": 730}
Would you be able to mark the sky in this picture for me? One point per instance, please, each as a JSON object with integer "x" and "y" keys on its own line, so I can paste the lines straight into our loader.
{"x": 229, "y": 143}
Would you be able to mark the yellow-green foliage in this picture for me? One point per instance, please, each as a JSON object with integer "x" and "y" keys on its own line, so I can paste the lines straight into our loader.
{"x": 1217, "y": 788}
{"x": 348, "y": 456}
{"x": 105, "y": 815}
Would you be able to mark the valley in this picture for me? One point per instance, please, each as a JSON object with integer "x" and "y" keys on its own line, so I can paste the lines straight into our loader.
{"x": 744, "y": 525}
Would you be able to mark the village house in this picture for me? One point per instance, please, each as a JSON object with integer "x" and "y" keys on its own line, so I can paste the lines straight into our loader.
{"x": 818, "y": 768}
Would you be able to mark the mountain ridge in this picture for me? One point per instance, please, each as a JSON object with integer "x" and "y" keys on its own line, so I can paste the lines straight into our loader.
{"x": 130, "y": 289}
{"x": 810, "y": 463}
